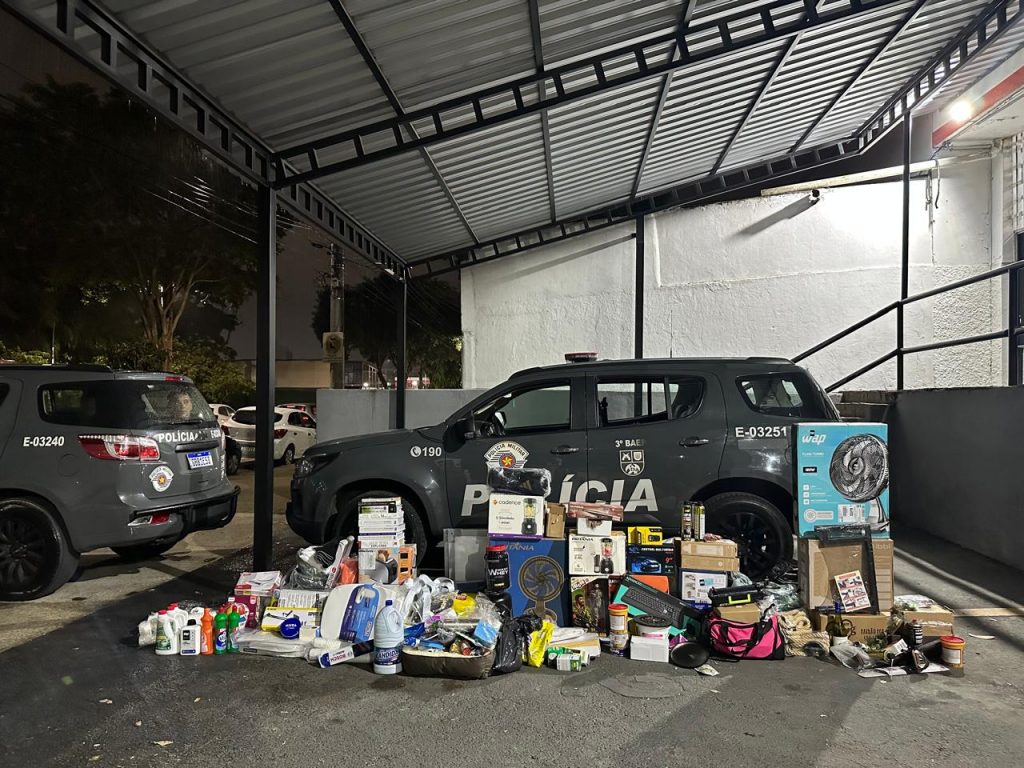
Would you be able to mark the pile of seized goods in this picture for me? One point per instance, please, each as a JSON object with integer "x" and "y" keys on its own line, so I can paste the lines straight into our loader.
{"x": 559, "y": 585}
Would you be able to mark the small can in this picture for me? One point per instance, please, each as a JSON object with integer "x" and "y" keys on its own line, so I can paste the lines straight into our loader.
{"x": 687, "y": 515}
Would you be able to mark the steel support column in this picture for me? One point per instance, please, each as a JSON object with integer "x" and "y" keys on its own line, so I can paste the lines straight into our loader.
{"x": 266, "y": 344}
{"x": 1014, "y": 374}
{"x": 638, "y": 316}
{"x": 401, "y": 306}
{"x": 908, "y": 125}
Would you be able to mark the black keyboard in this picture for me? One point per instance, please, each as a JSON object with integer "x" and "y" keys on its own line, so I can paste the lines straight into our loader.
{"x": 645, "y": 599}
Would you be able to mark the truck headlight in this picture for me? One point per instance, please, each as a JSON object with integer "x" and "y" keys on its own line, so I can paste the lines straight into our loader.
{"x": 307, "y": 465}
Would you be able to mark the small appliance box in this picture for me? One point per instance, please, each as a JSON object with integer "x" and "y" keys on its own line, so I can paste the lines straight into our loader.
{"x": 597, "y": 555}
{"x": 554, "y": 526}
{"x": 842, "y": 476}
{"x": 819, "y": 564}
{"x": 387, "y": 565}
{"x": 515, "y": 517}
{"x": 589, "y": 602}
{"x": 694, "y": 585}
{"x": 720, "y": 548}
{"x": 537, "y": 576}
{"x": 652, "y": 560}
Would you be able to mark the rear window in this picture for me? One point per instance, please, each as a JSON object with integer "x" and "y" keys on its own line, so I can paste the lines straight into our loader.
{"x": 784, "y": 394}
{"x": 123, "y": 404}
{"x": 249, "y": 416}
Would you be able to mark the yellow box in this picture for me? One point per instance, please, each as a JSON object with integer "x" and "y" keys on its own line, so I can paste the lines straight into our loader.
{"x": 647, "y": 535}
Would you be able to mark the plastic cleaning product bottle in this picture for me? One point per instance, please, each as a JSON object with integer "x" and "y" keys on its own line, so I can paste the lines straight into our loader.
{"x": 166, "y": 636}
{"x": 233, "y": 621}
{"x": 388, "y": 636}
{"x": 189, "y": 639}
{"x": 178, "y": 615}
{"x": 206, "y": 633}
{"x": 220, "y": 633}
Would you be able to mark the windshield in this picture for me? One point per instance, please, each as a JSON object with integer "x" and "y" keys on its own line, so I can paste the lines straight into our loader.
{"x": 124, "y": 404}
{"x": 248, "y": 416}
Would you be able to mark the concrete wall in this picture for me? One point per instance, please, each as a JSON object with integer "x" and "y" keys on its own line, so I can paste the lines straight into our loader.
{"x": 957, "y": 470}
{"x": 763, "y": 276}
{"x": 347, "y": 412}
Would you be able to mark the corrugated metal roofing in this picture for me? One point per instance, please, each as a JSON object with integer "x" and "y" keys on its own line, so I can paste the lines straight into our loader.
{"x": 290, "y": 73}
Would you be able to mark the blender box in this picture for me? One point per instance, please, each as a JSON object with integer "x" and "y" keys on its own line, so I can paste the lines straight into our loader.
{"x": 538, "y": 582}
{"x": 515, "y": 517}
{"x": 597, "y": 555}
{"x": 842, "y": 476}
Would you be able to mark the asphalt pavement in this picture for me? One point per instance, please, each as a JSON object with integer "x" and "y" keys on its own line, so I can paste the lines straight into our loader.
{"x": 80, "y": 692}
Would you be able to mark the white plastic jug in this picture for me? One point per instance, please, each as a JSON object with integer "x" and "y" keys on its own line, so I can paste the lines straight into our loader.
{"x": 166, "y": 636}
{"x": 388, "y": 636}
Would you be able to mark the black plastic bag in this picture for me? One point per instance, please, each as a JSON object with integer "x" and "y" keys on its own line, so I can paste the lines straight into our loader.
{"x": 508, "y": 653}
{"x": 522, "y": 481}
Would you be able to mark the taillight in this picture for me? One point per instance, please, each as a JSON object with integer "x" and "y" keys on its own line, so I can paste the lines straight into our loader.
{"x": 120, "y": 447}
{"x": 279, "y": 433}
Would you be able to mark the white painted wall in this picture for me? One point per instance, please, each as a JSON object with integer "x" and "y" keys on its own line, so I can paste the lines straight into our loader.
{"x": 348, "y": 412}
{"x": 762, "y": 276}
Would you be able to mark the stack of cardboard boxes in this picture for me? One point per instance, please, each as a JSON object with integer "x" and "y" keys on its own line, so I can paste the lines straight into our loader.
{"x": 383, "y": 554}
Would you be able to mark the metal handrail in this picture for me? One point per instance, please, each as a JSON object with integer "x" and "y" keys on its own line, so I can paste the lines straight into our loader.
{"x": 878, "y": 314}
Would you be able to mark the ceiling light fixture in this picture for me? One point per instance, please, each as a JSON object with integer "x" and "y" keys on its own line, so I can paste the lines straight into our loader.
{"x": 961, "y": 111}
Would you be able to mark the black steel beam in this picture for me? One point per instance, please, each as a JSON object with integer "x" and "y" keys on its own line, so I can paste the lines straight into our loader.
{"x": 638, "y": 291}
{"x": 908, "y": 126}
{"x": 1016, "y": 315}
{"x": 852, "y": 83}
{"x": 666, "y": 85}
{"x": 688, "y": 193}
{"x": 389, "y": 93}
{"x": 545, "y": 128}
{"x": 266, "y": 355}
{"x": 402, "y": 305}
{"x": 496, "y": 105}
{"x": 102, "y": 43}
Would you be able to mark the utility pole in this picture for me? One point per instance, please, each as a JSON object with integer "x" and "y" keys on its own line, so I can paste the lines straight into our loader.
{"x": 338, "y": 312}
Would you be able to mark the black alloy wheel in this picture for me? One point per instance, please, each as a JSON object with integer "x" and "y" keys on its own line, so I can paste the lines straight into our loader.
{"x": 757, "y": 526}
{"x": 34, "y": 556}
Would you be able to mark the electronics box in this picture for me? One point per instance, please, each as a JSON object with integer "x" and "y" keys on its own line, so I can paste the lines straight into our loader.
{"x": 648, "y": 649}
{"x": 721, "y": 548}
{"x": 588, "y": 602}
{"x": 819, "y": 564}
{"x": 464, "y": 554}
{"x": 554, "y": 524}
{"x": 694, "y": 585}
{"x": 645, "y": 560}
{"x": 387, "y": 565}
{"x": 597, "y": 555}
{"x": 651, "y": 536}
{"x": 598, "y": 510}
{"x": 537, "y": 576}
{"x": 515, "y": 517}
{"x": 842, "y": 476}
{"x": 698, "y": 563}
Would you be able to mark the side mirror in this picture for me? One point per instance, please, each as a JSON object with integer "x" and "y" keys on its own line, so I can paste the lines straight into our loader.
{"x": 465, "y": 429}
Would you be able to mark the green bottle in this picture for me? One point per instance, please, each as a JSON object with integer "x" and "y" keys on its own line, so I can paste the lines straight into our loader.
{"x": 233, "y": 622}
{"x": 220, "y": 633}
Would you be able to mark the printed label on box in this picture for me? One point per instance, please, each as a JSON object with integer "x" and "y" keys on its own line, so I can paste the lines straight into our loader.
{"x": 515, "y": 517}
{"x": 597, "y": 555}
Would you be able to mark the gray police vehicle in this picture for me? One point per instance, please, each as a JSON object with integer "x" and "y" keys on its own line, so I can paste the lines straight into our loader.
{"x": 648, "y": 434}
{"x": 90, "y": 458}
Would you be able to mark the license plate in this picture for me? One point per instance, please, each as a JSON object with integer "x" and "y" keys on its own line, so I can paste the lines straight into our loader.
{"x": 248, "y": 450}
{"x": 199, "y": 459}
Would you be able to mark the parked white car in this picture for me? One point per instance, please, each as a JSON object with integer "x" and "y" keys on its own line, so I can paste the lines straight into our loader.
{"x": 294, "y": 432}
{"x": 222, "y": 412}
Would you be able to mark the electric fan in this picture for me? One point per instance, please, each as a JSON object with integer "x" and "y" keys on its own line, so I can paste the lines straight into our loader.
{"x": 541, "y": 579}
{"x": 859, "y": 470}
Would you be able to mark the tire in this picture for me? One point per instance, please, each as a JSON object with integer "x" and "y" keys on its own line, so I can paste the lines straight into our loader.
{"x": 288, "y": 457}
{"x": 35, "y": 555}
{"x": 231, "y": 463}
{"x": 151, "y": 549}
{"x": 344, "y": 523}
{"x": 756, "y": 525}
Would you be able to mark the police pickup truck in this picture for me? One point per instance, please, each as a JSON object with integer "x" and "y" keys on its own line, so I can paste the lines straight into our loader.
{"x": 648, "y": 434}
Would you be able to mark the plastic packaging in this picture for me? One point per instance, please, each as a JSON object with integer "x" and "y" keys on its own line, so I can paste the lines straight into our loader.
{"x": 388, "y": 638}
{"x": 852, "y": 656}
{"x": 522, "y": 481}
{"x": 538, "y": 644}
{"x": 234, "y": 620}
{"x": 147, "y": 630}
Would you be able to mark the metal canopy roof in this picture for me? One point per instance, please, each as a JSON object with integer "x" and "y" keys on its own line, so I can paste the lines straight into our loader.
{"x": 444, "y": 133}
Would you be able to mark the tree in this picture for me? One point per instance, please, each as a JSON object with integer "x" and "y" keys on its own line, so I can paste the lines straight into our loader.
{"x": 434, "y": 326}
{"x": 114, "y": 223}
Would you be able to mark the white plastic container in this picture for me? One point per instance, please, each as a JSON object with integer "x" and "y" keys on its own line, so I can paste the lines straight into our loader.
{"x": 189, "y": 638}
{"x": 166, "y": 636}
{"x": 388, "y": 637}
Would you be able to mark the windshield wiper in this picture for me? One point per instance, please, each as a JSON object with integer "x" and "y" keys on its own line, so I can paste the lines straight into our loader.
{"x": 185, "y": 422}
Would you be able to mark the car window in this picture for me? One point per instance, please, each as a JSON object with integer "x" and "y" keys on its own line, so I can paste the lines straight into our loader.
{"x": 529, "y": 409}
{"x": 783, "y": 394}
{"x": 123, "y": 404}
{"x": 295, "y": 419}
{"x": 248, "y": 416}
{"x": 307, "y": 421}
{"x": 685, "y": 395}
{"x": 644, "y": 400}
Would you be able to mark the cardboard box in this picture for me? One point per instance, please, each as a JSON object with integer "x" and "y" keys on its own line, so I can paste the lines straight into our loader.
{"x": 303, "y": 603}
{"x": 387, "y": 565}
{"x": 597, "y": 555}
{"x": 819, "y": 501}
{"x": 554, "y": 527}
{"x": 595, "y": 510}
{"x": 537, "y": 572}
{"x": 588, "y": 602}
{"x": 588, "y": 526}
{"x": 745, "y": 614}
{"x": 647, "y": 560}
{"x": 694, "y": 585}
{"x": 648, "y": 649}
{"x": 650, "y": 536}
{"x": 936, "y": 620}
{"x": 722, "y": 548}
{"x": 865, "y": 626}
{"x": 259, "y": 583}
{"x": 699, "y": 563}
{"x": 820, "y": 564}
{"x": 515, "y": 517}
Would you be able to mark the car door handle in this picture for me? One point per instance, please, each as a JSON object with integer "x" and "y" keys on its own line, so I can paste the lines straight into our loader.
{"x": 562, "y": 450}
{"x": 694, "y": 442}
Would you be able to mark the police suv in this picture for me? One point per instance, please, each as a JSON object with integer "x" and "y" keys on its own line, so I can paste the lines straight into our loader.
{"x": 647, "y": 434}
{"x": 90, "y": 458}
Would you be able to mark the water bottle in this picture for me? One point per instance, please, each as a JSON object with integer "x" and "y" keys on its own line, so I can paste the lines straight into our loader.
{"x": 388, "y": 636}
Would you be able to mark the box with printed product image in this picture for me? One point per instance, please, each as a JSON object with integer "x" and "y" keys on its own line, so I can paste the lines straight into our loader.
{"x": 588, "y": 601}
{"x": 653, "y": 560}
{"x": 597, "y": 555}
{"x": 694, "y": 585}
{"x": 387, "y": 565}
{"x": 515, "y": 517}
{"x": 538, "y": 582}
{"x": 842, "y": 476}
{"x": 819, "y": 564}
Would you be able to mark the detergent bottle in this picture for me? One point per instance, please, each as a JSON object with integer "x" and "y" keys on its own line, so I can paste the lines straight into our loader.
{"x": 233, "y": 621}
{"x": 388, "y": 636}
{"x": 206, "y": 641}
{"x": 166, "y": 636}
{"x": 220, "y": 633}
